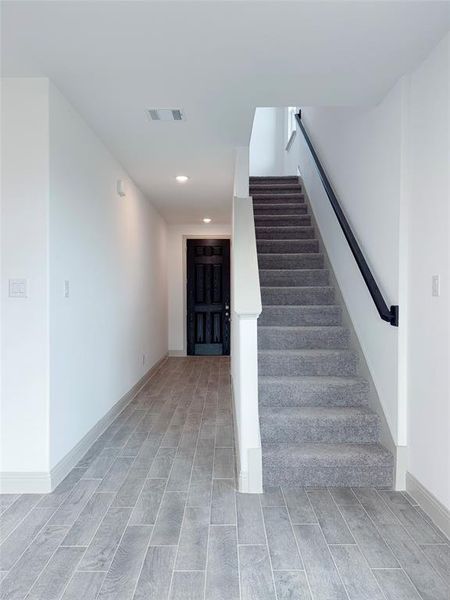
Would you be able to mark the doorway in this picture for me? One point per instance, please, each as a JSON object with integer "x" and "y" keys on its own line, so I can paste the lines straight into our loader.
{"x": 208, "y": 297}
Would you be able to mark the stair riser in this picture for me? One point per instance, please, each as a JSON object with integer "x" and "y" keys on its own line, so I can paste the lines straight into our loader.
{"x": 287, "y": 246}
{"x": 285, "y": 233}
{"x": 276, "y": 474}
{"x": 338, "y": 364}
{"x": 284, "y": 394}
{"x": 298, "y": 316}
{"x": 261, "y": 200}
{"x": 282, "y": 209}
{"x": 290, "y": 339}
{"x": 274, "y": 179}
{"x": 270, "y": 221}
{"x": 293, "y": 277}
{"x": 289, "y": 261}
{"x": 274, "y": 188}
{"x": 358, "y": 431}
{"x": 298, "y": 296}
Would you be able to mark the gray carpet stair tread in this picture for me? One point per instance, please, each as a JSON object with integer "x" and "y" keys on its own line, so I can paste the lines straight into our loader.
{"x": 330, "y": 455}
{"x": 312, "y": 381}
{"x": 284, "y": 336}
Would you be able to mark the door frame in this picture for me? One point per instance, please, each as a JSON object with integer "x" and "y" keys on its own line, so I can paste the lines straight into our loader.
{"x": 205, "y": 236}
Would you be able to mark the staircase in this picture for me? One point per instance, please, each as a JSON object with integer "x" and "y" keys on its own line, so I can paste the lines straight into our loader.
{"x": 316, "y": 427}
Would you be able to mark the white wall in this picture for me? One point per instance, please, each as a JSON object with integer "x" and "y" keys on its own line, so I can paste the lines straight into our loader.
{"x": 267, "y": 142}
{"x": 389, "y": 167}
{"x": 361, "y": 153}
{"x": 429, "y": 254}
{"x": 60, "y": 196}
{"x": 112, "y": 249}
{"x": 176, "y": 257}
{"x": 24, "y": 239}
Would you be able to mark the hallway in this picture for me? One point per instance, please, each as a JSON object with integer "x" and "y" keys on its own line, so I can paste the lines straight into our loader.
{"x": 151, "y": 513}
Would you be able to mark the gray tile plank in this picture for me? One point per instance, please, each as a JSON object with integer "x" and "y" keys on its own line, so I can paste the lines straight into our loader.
{"x": 187, "y": 585}
{"x": 193, "y": 542}
{"x": 375, "y": 506}
{"x": 18, "y": 541}
{"x": 255, "y": 574}
{"x": 223, "y": 503}
{"x": 250, "y": 519}
{"x": 291, "y": 585}
{"x": 395, "y": 584}
{"x": 272, "y": 497}
{"x": 299, "y": 506}
{"x": 330, "y": 519}
{"x": 372, "y": 545}
{"x": 116, "y": 475}
{"x": 130, "y": 489}
{"x": 224, "y": 463}
{"x": 224, "y": 436}
{"x": 439, "y": 557}
{"x": 162, "y": 463}
{"x": 222, "y": 574}
{"x": 282, "y": 545}
{"x": 62, "y": 490}
{"x": 134, "y": 444}
{"x": 7, "y": 499}
{"x": 147, "y": 505}
{"x": 84, "y": 528}
{"x": 322, "y": 575}
{"x": 156, "y": 574}
{"x": 355, "y": 573}
{"x": 27, "y": 569}
{"x": 84, "y": 586}
{"x": 56, "y": 574}
{"x": 417, "y": 527}
{"x": 101, "y": 550}
{"x": 121, "y": 579}
{"x": 17, "y": 511}
{"x": 180, "y": 475}
{"x": 343, "y": 495}
{"x": 70, "y": 509}
{"x": 168, "y": 522}
{"x": 411, "y": 558}
{"x": 101, "y": 464}
{"x": 200, "y": 492}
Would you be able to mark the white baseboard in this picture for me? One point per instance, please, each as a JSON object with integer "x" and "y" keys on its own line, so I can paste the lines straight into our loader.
{"x": 45, "y": 482}
{"x": 177, "y": 353}
{"x": 439, "y": 513}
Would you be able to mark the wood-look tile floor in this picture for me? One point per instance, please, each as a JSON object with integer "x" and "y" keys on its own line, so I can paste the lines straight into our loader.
{"x": 151, "y": 513}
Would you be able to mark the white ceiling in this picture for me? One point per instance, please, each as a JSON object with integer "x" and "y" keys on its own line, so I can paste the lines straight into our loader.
{"x": 217, "y": 61}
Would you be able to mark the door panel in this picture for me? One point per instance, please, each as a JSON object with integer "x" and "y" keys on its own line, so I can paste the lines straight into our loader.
{"x": 208, "y": 297}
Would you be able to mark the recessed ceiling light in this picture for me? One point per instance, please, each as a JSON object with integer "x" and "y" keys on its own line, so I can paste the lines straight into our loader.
{"x": 206, "y": 220}
{"x": 182, "y": 178}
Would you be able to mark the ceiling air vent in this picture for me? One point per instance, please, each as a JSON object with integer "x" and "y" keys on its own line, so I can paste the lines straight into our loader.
{"x": 166, "y": 114}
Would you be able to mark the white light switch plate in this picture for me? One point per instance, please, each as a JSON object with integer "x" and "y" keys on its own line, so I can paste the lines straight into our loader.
{"x": 436, "y": 285}
{"x": 17, "y": 288}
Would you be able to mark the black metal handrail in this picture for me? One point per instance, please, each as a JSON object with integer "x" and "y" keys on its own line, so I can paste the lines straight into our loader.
{"x": 387, "y": 314}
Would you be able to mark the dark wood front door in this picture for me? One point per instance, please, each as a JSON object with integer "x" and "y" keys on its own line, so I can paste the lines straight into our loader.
{"x": 208, "y": 297}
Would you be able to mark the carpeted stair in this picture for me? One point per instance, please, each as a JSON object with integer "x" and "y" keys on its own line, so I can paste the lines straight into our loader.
{"x": 316, "y": 426}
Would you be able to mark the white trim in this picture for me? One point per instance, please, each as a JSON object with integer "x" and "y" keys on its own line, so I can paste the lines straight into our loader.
{"x": 177, "y": 353}
{"x": 249, "y": 481}
{"x": 44, "y": 482}
{"x": 290, "y": 140}
{"x": 439, "y": 513}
